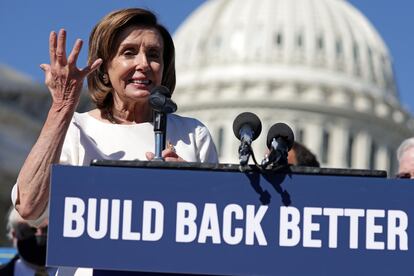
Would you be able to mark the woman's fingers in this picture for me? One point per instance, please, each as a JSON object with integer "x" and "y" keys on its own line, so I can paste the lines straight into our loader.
{"x": 48, "y": 75}
{"x": 90, "y": 68}
{"x": 73, "y": 57}
{"x": 45, "y": 67}
{"x": 95, "y": 65}
{"x": 52, "y": 47}
{"x": 171, "y": 156}
{"x": 61, "y": 48}
{"x": 174, "y": 159}
{"x": 168, "y": 155}
{"x": 149, "y": 155}
{"x": 57, "y": 50}
{"x": 62, "y": 76}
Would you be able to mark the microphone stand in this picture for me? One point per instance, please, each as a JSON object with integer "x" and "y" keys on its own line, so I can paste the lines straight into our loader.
{"x": 278, "y": 154}
{"x": 161, "y": 103}
{"x": 244, "y": 154}
{"x": 160, "y": 126}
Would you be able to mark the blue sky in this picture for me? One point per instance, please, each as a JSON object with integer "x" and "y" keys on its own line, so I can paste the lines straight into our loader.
{"x": 25, "y": 27}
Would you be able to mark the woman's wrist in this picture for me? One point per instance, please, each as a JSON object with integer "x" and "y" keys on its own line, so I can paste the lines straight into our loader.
{"x": 61, "y": 112}
{"x": 63, "y": 107}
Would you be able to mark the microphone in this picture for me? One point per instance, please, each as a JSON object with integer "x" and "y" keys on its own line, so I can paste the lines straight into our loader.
{"x": 280, "y": 139}
{"x": 161, "y": 103}
{"x": 246, "y": 127}
{"x": 160, "y": 100}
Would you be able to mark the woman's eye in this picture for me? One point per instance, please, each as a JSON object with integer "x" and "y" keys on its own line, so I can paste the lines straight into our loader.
{"x": 128, "y": 53}
{"x": 154, "y": 54}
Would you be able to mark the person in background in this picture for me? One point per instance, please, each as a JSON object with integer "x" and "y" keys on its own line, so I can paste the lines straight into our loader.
{"x": 130, "y": 53}
{"x": 31, "y": 248}
{"x": 405, "y": 157}
{"x": 299, "y": 155}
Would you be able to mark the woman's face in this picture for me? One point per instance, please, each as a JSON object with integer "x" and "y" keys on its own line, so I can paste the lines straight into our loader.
{"x": 137, "y": 65}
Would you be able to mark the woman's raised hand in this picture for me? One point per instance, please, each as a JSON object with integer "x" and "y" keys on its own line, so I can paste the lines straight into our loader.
{"x": 63, "y": 78}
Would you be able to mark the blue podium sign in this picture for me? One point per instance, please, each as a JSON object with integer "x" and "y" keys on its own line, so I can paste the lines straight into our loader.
{"x": 229, "y": 223}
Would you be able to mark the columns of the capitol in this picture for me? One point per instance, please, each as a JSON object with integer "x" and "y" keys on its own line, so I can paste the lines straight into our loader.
{"x": 392, "y": 155}
{"x": 214, "y": 127}
{"x": 225, "y": 142}
{"x": 233, "y": 142}
{"x": 338, "y": 146}
{"x": 360, "y": 153}
{"x": 340, "y": 133}
{"x": 230, "y": 142}
{"x": 383, "y": 161}
{"x": 313, "y": 132}
{"x": 259, "y": 145}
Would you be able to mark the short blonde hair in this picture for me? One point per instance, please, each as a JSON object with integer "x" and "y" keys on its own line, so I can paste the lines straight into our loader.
{"x": 103, "y": 44}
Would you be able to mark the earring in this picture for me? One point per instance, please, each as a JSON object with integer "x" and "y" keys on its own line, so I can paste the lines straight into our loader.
{"x": 105, "y": 79}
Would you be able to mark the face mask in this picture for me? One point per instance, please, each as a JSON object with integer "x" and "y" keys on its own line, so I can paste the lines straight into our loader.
{"x": 33, "y": 249}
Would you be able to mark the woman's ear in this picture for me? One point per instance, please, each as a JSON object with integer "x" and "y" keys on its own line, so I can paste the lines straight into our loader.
{"x": 105, "y": 78}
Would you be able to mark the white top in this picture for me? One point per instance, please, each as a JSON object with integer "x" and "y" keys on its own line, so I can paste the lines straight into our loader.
{"x": 88, "y": 139}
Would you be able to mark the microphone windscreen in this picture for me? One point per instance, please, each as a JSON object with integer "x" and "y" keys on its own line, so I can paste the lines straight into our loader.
{"x": 160, "y": 89}
{"x": 280, "y": 130}
{"x": 160, "y": 100}
{"x": 250, "y": 119}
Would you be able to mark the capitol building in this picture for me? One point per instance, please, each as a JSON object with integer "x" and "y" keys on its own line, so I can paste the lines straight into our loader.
{"x": 317, "y": 65}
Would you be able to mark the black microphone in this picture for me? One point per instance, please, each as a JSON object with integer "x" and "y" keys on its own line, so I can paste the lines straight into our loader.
{"x": 160, "y": 100}
{"x": 161, "y": 103}
{"x": 280, "y": 139}
{"x": 247, "y": 127}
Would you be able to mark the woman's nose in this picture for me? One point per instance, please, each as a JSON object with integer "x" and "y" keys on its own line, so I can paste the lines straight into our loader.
{"x": 141, "y": 63}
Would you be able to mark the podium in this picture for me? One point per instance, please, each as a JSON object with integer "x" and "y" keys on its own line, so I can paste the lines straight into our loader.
{"x": 205, "y": 219}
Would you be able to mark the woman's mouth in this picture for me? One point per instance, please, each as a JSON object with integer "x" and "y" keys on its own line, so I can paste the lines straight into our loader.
{"x": 140, "y": 82}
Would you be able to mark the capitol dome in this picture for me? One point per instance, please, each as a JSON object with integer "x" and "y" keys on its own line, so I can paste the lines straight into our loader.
{"x": 317, "y": 65}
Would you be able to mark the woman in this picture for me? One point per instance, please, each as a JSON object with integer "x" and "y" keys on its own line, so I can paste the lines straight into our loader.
{"x": 129, "y": 54}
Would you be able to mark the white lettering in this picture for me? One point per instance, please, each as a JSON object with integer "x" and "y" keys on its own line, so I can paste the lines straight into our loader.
{"x": 333, "y": 214}
{"x": 229, "y": 210}
{"x": 93, "y": 231}
{"x": 287, "y": 226}
{"x": 309, "y": 227}
{"x": 372, "y": 229}
{"x": 396, "y": 223}
{"x": 209, "y": 224}
{"x": 151, "y": 207}
{"x": 73, "y": 221}
{"x": 395, "y": 230}
{"x": 354, "y": 215}
{"x": 186, "y": 215}
{"x": 253, "y": 227}
{"x": 115, "y": 211}
{"x": 127, "y": 233}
